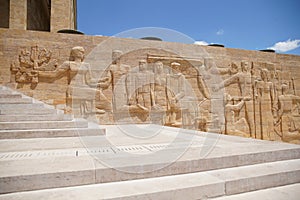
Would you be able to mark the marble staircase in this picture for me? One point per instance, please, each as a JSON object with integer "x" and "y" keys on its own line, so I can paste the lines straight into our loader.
{"x": 25, "y": 117}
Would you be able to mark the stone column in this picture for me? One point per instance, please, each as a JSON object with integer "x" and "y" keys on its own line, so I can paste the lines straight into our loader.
{"x": 62, "y": 15}
{"x": 18, "y": 14}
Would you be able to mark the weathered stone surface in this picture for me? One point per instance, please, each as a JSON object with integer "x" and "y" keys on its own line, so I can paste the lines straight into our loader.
{"x": 18, "y": 14}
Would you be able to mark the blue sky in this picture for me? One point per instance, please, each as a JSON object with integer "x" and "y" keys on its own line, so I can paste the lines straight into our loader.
{"x": 244, "y": 24}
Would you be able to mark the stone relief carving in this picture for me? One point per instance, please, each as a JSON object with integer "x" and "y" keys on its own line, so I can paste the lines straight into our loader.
{"x": 179, "y": 109}
{"x": 264, "y": 94}
{"x": 287, "y": 123}
{"x": 141, "y": 91}
{"x": 82, "y": 87}
{"x": 116, "y": 74}
{"x": 234, "y": 123}
{"x": 261, "y": 100}
{"x": 30, "y": 63}
{"x": 158, "y": 93}
{"x": 245, "y": 83}
{"x": 160, "y": 87}
{"x": 267, "y": 107}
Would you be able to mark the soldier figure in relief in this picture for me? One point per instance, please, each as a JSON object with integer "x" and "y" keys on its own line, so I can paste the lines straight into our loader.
{"x": 81, "y": 86}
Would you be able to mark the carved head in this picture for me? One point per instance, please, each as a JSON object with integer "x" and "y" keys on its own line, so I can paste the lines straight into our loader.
{"x": 264, "y": 74}
{"x": 116, "y": 56}
{"x": 208, "y": 63}
{"x": 227, "y": 98}
{"x": 277, "y": 74}
{"x": 245, "y": 66}
{"x": 158, "y": 67}
{"x": 142, "y": 65}
{"x": 176, "y": 66}
{"x": 77, "y": 54}
{"x": 285, "y": 88}
{"x": 233, "y": 68}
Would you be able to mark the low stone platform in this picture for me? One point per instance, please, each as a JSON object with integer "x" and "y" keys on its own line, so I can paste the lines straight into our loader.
{"x": 237, "y": 164}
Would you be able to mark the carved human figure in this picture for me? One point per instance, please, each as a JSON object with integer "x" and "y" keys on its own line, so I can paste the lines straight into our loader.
{"x": 179, "y": 108}
{"x": 204, "y": 74}
{"x": 265, "y": 97}
{"x": 289, "y": 128}
{"x": 159, "y": 104}
{"x": 144, "y": 80}
{"x": 277, "y": 83}
{"x": 175, "y": 92}
{"x": 117, "y": 77}
{"x": 160, "y": 87}
{"x": 234, "y": 124}
{"x": 81, "y": 86}
{"x": 231, "y": 70}
{"x": 244, "y": 80}
{"x": 140, "y": 91}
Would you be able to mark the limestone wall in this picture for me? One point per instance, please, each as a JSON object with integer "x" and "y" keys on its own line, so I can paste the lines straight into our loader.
{"x": 63, "y": 9}
{"x": 229, "y": 91}
{"x": 18, "y": 14}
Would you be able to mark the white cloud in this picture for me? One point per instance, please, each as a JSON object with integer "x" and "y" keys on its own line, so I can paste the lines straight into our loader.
{"x": 286, "y": 45}
{"x": 200, "y": 43}
{"x": 220, "y": 32}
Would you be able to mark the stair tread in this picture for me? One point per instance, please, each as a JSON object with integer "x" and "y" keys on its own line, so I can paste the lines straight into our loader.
{"x": 286, "y": 192}
{"x": 53, "y": 117}
{"x": 201, "y": 183}
{"x": 25, "y": 125}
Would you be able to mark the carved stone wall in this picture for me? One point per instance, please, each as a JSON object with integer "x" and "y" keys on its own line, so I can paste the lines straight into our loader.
{"x": 112, "y": 80}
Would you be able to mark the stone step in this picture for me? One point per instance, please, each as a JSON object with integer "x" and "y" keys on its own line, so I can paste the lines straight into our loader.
{"x": 17, "y": 118}
{"x": 287, "y": 192}
{"x": 259, "y": 176}
{"x": 4, "y": 96}
{"x": 28, "y": 125}
{"x": 44, "y": 145}
{"x": 51, "y": 133}
{"x": 5, "y": 91}
{"x": 15, "y": 100}
{"x": 187, "y": 186}
{"x": 21, "y": 106}
{"x": 200, "y": 185}
{"x": 32, "y": 111}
